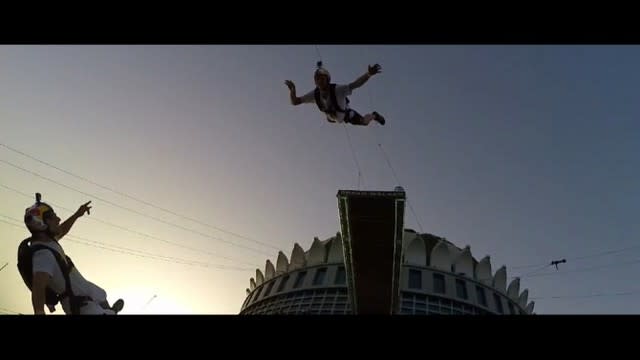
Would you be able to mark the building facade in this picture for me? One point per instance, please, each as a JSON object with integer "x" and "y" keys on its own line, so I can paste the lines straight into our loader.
{"x": 436, "y": 277}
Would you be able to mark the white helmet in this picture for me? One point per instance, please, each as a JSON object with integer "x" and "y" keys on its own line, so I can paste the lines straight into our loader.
{"x": 322, "y": 71}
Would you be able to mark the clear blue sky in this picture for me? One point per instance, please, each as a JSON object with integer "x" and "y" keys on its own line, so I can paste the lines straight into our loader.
{"x": 526, "y": 153}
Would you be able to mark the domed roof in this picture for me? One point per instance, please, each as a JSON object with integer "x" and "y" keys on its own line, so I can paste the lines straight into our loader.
{"x": 418, "y": 249}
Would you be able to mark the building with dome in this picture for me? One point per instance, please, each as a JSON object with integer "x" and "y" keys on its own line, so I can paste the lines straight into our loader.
{"x": 378, "y": 266}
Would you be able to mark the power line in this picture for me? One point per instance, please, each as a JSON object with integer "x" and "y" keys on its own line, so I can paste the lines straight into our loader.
{"x": 584, "y": 269}
{"x": 135, "y": 232}
{"x": 173, "y": 243}
{"x": 151, "y": 255}
{"x": 536, "y": 271}
{"x": 136, "y": 199}
{"x": 627, "y": 293}
{"x": 127, "y": 250}
{"x": 527, "y": 266}
{"x": 114, "y": 248}
{"x": 149, "y": 302}
{"x": 165, "y": 258}
{"x": 608, "y": 252}
{"x": 173, "y": 213}
{"x": 9, "y": 311}
{"x": 4, "y": 266}
{"x": 134, "y": 211}
{"x": 582, "y": 257}
{"x": 588, "y": 268}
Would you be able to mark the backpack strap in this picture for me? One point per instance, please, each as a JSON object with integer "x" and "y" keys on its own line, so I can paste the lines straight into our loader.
{"x": 319, "y": 103}
{"x": 333, "y": 101}
{"x": 76, "y": 302}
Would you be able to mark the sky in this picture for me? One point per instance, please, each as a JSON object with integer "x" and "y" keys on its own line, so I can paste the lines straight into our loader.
{"x": 526, "y": 153}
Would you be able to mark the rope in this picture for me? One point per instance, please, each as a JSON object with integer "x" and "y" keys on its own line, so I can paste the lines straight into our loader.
{"x": 355, "y": 158}
{"x": 379, "y": 142}
{"x": 368, "y": 88}
{"x": 353, "y": 153}
{"x": 400, "y": 184}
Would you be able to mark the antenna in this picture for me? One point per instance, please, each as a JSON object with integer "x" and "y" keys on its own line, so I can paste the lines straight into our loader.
{"x": 149, "y": 302}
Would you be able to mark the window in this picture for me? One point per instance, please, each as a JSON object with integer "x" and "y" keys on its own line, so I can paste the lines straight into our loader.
{"x": 299, "y": 279}
{"x": 511, "y": 311}
{"x": 461, "y": 289}
{"x": 283, "y": 283}
{"x": 246, "y": 301}
{"x": 498, "y": 301}
{"x": 341, "y": 276}
{"x": 415, "y": 279}
{"x": 318, "y": 279}
{"x": 269, "y": 287}
{"x": 438, "y": 283}
{"x": 482, "y": 300}
{"x": 258, "y": 293}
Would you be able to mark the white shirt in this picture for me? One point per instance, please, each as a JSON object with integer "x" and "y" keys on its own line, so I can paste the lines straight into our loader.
{"x": 45, "y": 261}
{"x": 342, "y": 91}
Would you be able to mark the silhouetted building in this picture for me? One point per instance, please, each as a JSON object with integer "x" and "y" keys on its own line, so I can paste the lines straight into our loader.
{"x": 387, "y": 269}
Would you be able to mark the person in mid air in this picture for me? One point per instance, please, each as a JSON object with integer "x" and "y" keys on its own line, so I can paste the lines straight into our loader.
{"x": 332, "y": 99}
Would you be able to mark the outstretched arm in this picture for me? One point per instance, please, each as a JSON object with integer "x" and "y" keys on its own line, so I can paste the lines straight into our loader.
{"x": 292, "y": 93}
{"x": 66, "y": 225}
{"x": 364, "y": 78}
